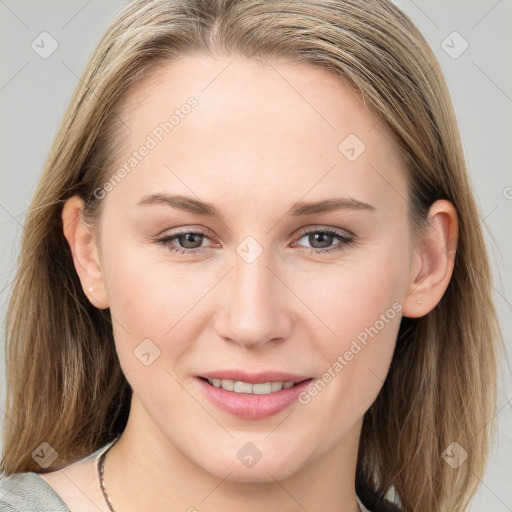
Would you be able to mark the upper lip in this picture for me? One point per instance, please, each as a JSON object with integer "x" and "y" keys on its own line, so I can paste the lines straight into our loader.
{"x": 254, "y": 378}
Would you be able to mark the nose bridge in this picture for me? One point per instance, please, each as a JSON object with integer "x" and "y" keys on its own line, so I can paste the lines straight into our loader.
{"x": 253, "y": 313}
{"x": 252, "y": 284}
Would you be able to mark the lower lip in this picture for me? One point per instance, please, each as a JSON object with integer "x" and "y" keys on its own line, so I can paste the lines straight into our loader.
{"x": 250, "y": 406}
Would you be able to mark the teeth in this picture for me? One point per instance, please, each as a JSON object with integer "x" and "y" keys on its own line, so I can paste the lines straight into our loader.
{"x": 246, "y": 387}
{"x": 242, "y": 387}
{"x": 276, "y": 386}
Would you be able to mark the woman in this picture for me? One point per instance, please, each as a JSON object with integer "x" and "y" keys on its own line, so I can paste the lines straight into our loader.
{"x": 249, "y": 270}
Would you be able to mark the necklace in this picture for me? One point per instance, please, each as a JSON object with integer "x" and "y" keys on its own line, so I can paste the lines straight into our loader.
{"x": 101, "y": 471}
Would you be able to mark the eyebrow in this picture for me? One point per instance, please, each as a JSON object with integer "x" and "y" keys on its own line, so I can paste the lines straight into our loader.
{"x": 299, "y": 208}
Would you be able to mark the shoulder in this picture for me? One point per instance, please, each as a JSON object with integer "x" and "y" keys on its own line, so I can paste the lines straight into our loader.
{"x": 28, "y": 492}
{"x": 61, "y": 490}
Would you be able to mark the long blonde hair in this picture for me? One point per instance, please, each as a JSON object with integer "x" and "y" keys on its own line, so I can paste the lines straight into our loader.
{"x": 64, "y": 382}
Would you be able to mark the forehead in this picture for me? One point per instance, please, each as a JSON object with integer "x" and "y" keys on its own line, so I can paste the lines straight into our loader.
{"x": 257, "y": 128}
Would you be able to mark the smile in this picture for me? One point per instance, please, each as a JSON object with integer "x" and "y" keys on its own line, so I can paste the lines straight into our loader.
{"x": 252, "y": 401}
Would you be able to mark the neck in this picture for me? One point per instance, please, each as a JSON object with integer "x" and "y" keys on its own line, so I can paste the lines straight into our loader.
{"x": 145, "y": 471}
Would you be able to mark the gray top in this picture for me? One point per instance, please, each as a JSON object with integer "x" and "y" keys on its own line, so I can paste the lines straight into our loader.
{"x": 28, "y": 492}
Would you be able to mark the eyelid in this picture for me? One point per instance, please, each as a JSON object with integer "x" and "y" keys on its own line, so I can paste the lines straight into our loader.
{"x": 343, "y": 233}
{"x": 181, "y": 231}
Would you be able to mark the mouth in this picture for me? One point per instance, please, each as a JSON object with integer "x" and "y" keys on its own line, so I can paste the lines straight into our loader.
{"x": 252, "y": 400}
{"x": 260, "y": 388}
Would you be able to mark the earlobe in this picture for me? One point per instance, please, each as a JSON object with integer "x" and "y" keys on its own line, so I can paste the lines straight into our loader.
{"x": 82, "y": 243}
{"x": 432, "y": 267}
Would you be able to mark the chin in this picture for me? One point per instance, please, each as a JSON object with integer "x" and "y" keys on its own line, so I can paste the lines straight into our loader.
{"x": 264, "y": 470}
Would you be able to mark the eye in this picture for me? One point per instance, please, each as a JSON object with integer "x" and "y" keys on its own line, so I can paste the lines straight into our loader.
{"x": 188, "y": 242}
{"x": 191, "y": 242}
{"x": 322, "y": 238}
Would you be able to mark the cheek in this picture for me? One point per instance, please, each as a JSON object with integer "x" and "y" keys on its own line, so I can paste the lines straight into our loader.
{"x": 149, "y": 302}
{"x": 353, "y": 295}
{"x": 153, "y": 299}
{"x": 145, "y": 288}
{"x": 361, "y": 304}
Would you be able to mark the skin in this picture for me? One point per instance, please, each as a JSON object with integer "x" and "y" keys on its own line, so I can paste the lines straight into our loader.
{"x": 262, "y": 137}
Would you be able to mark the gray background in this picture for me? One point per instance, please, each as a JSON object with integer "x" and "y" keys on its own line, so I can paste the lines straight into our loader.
{"x": 34, "y": 92}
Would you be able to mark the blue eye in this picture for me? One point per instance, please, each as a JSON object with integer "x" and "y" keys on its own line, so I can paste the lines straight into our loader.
{"x": 315, "y": 236}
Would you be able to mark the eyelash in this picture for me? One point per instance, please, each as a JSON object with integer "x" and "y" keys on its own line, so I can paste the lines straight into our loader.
{"x": 346, "y": 238}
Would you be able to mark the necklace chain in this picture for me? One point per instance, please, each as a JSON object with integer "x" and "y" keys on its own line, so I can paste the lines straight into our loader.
{"x": 101, "y": 471}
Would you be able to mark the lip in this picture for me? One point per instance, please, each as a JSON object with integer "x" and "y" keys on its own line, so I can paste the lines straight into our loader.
{"x": 254, "y": 378}
{"x": 250, "y": 406}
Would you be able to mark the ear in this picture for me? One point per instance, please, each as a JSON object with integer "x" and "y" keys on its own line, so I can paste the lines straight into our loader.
{"x": 432, "y": 265}
{"x": 83, "y": 244}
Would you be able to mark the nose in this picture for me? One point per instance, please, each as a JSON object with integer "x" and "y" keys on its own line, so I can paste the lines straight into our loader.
{"x": 255, "y": 309}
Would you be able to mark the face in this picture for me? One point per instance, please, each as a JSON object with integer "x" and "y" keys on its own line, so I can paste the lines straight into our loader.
{"x": 260, "y": 280}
